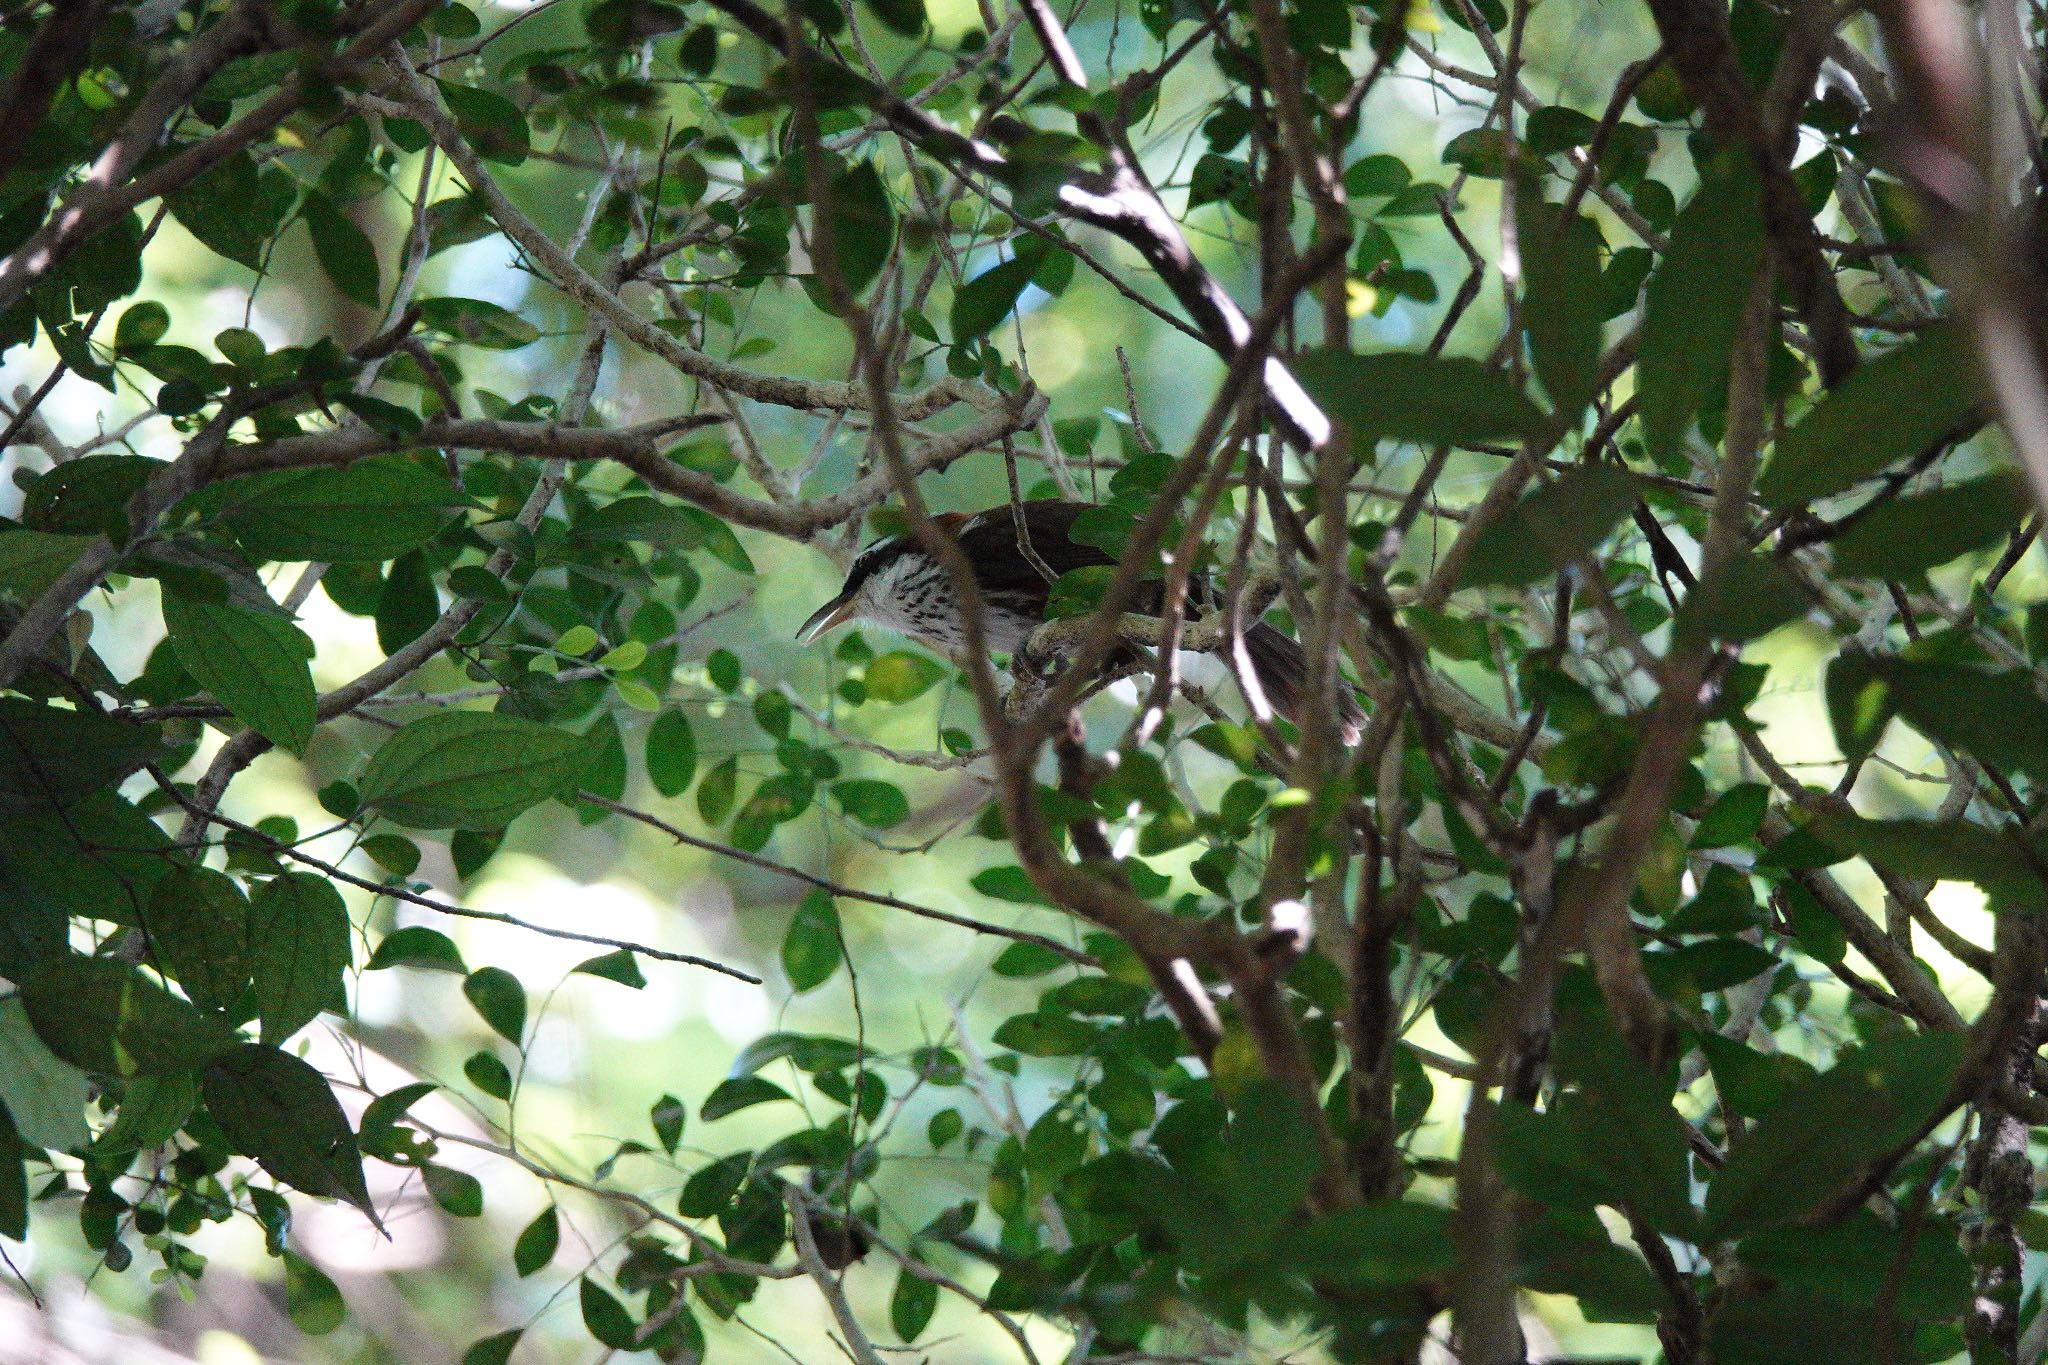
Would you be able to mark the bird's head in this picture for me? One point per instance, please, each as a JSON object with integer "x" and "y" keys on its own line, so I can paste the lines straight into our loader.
{"x": 894, "y": 583}
{"x": 860, "y": 597}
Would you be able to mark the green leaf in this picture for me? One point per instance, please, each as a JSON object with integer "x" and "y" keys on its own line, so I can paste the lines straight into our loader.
{"x": 811, "y": 950}
{"x": 880, "y": 804}
{"x": 1852, "y": 1261}
{"x": 1555, "y": 525}
{"x": 627, "y": 23}
{"x": 537, "y": 1242}
{"x": 256, "y": 664}
{"x": 1807, "y": 1147}
{"x": 199, "y": 921}
{"x": 61, "y": 755}
{"x": 1998, "y": 716}
{"x": 1733, "y": 818}
{"x": 618, "y": 965}
{"x": 494, "y": 1350}
{"x": 153, "y": 1109}
{"x": 671, "y": 753}
{"x": 277, "y": 1109}
{"x": 1397, "y": 1242}
{"x": 491, "y": 123}
{"x": 106, "y": 1017}
{"x": 457, "y": 1192}
{"x": 478, "y": 322}
{"x": 911, "y": 1305}
{"x": 1862, "y": 426}
{"x": 605, "y": 1317}
{"x": 374, "y": 510}
{"x": 343, "y": 250}
{"x": 142, "y": 324}
{"x": 233, "y": 209}
{"x": 1745, "y": 598}
{"x": 1404, "y": 396}
{"x": 44, "y": 1094}
{"x": 1696, "y": 300}
{"x": 899, "y": 676}
{"x": 735, "y": 1093}
{"x": 417, "y": 946}
{"x": 715, "y": 793}
{"x": 987, "y": 299}
{"x": 1026, "y": 959}
{"x": 500, "y": 999}
{"x": 13, "y": 1183}
{"x": 470, "y": 770}
{"x": 1007, "y": 884}
{"x": 1908, "y": 536}
{"x": 299, "y": 945}
{"x": 1046, "y": 1035}
{"x": 863, "y": 224}
{"x": 311, "y": 1300}
{"x": 1561, "y": 303}
{"x": 488, "y": 1073}
{"x": 668, "y": 1116}
{"x": 32, "y": 560}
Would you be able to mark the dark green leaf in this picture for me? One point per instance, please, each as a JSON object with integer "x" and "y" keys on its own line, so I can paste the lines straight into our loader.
{"x": 488, "y": 1073}
{"x": 45, "y": 1095}
{"x": 715, "y": 792}
{"x": 500, "y": 999}
{"x": 31, "y": 560}
{"x": 1561, "y": 303}
{"x": 105, "y": 1016}
{"x": 277, "y": 1109}
{"x": 256, "y": 664}
{"x": 1388, "y": 1243}
{"x": 668, "y": 1116}
{"x": 375, "y": 509}
{"x": 735, "y": 1093}
{"x": 199, "y": 921}
{"x": 344, "y": 250}
{"x": 605, "y": 1317}
{"x": 470, "y": 770}
{"x": 1862, "y": 427}
{"x": 1402, "y": 396}
{"x": 233, "y": 209}
{"x": 618, "y": 965}
{"x": 880, "y": 804}
{"x": 911, "y": 1305}
{"x": 1696, "y": 300}
{"x": 457, "y": 1192}
{"x": 417, "y": 946}
{"x": 863, "y": 224}
{"x": 537, "y": 1242}
{"x": 491, "y": 123}
{"x": 1733, "y": 818}
{"x": 671, "y": 753}
{"x": 811, "y": 949}
{"x": 478, "y": 322}
{"x": 1806, "y": 1148}
{"x": 311, "y": 1300}
{"x": 1552, "y": 527}
{"x": 493, "y": 1350}
{"x": 1910, "y": 535}
{"x": 300, "y": 946}
{"x": 987, "y": 299}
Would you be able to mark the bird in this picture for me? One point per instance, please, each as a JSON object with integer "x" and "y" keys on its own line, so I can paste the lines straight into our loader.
{"x": 896, "y": 584}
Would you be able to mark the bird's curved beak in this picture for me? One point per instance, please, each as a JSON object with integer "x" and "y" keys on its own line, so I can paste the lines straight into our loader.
{"x": 832, "y": 615}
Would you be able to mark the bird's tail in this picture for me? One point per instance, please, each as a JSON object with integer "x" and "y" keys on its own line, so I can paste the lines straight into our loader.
{"x": 1281, "y": 668}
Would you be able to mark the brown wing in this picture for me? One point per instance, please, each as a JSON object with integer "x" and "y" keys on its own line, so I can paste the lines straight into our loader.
{"x": 990, "y": 540}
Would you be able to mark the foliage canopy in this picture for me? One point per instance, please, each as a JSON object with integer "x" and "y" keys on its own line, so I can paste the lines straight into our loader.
{"x": 435, "y": 415}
